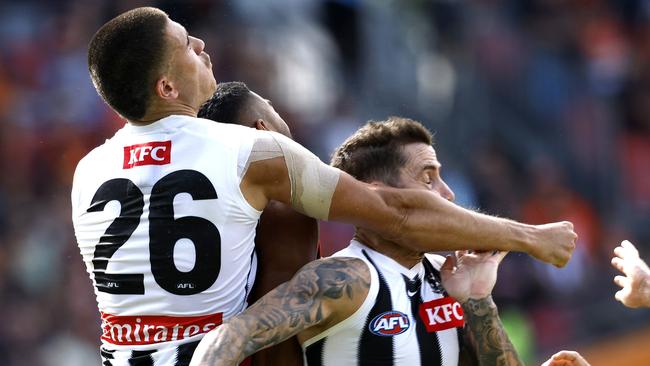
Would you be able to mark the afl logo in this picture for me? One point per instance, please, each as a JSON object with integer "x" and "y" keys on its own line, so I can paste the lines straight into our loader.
{"x": 389, "y": 324}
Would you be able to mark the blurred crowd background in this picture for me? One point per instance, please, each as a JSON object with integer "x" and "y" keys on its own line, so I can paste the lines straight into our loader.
{"x": 540, "y": 108}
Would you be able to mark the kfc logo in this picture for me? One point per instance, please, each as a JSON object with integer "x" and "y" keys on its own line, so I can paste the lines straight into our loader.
{"x": 441, "y": 314}
{"x": 150, "y": 153}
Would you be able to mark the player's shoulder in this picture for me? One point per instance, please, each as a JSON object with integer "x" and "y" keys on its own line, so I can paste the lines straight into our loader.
{"x": 335, "y": 262}
{"x": 337, "y": 271}
{"x": 353, "y": 255}
{"x": 219, "y": 127}
{"x": 93, "y": 159}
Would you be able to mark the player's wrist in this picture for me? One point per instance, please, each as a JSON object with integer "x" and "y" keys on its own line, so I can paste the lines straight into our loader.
{"x": 645, "y": 288}
{"x": 480, "y": 306}
{"x": 524, "y": 238}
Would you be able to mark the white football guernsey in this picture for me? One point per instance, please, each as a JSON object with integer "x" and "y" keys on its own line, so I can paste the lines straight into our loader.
{"x": 166, "y": 235}
{"x": 407, "y": 319}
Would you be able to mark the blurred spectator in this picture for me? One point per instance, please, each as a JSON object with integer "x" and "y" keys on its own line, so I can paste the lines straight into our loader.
{"x": 501, "y": 82}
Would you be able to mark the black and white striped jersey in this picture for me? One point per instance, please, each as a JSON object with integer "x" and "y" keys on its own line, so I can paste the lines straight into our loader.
{"x": 407, "y": 319}
{"x": 168, "y": 356}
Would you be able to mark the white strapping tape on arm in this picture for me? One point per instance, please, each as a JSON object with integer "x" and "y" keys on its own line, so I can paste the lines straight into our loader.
{"x": 312, "y": 181}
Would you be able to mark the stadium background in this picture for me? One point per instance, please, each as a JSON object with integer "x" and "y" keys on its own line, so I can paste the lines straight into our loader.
{"x": 541, "y": 110}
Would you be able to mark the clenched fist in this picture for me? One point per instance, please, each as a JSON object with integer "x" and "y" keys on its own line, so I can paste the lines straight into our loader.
{"x": 554, "y": 243}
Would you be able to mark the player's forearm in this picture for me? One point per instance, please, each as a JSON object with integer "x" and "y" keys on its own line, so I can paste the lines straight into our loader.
{"x": 266, "y": 323}
{"x": 426, "y": 222}
{"x": 223, "y": 346}
{"x": 432, "y": 223}
{"x": 486, "y": 333}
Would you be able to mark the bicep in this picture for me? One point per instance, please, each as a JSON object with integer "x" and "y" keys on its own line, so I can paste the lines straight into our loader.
{"x": 266, "y": 180}
{"x": 283, "y": 170}
{"x": 320, "y": 293}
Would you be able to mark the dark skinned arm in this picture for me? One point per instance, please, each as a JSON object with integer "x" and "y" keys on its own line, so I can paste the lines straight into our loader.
{"x": 282, "y": 227}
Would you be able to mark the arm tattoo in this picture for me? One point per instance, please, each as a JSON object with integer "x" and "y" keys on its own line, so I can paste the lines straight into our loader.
{"x": 290, "y": 308}
{"x": 487, "y": 336}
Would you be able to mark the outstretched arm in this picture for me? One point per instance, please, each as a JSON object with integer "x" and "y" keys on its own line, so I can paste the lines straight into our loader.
{"x": 426, "y": 222}
{"x": 418, "y": 219}
{"x": 469, "y": 278}
{"x": 635, "y": 283}
{"x": 321, "y": 294}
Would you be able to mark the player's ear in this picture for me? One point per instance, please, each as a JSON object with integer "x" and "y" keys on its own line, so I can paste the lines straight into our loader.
{"x": 261, "y": 125}
{"x": 165, "y": 88}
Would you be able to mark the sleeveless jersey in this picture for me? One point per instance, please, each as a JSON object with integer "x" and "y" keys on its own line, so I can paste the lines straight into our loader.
{"x": 407, "y": 319}
{"x": 166, "y": 235}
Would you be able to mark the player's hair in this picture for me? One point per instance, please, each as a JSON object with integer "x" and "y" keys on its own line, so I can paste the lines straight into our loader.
{"x": 226, "y": 103}
{"x": 124, "y": 58}
{"x": 375, "y": 151}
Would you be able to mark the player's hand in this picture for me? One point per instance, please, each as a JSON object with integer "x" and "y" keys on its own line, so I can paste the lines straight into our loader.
{"x": 566, "y": 358}
{"x": 470, "y": 275}
{"x": 635, "y": 284}
{"x": 554, "y": 243}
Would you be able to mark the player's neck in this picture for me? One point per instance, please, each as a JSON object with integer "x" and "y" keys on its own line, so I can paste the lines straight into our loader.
{"x": 404, "y": 256}
{"x": 161, "y": 111}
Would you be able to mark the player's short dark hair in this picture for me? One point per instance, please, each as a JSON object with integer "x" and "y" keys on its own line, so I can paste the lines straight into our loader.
{"x": 375, "y": 151}
{"x": 226, "y": 103}
{"x": 124, "y": 57}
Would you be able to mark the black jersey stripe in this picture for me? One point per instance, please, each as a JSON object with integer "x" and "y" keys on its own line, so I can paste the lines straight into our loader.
{"x": 107, "y": 356}
{"x": 375, "y": 349}
{"x": 141, "y": 358}
{"x": 247, "y": 289}
{"x": 184, "y": 353}
{"x": 314, "y": 353}
{"x": 433, "y": 277}
{"x": 428, "y": 343}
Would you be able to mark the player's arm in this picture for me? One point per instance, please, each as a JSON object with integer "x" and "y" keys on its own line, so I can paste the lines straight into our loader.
{"x": 485, "y": 334}
{"x": 470, "y": 278}
{"x": 282, "y": 225}
{"x": 320, "y": 295}
{"x": 421, "y": 220}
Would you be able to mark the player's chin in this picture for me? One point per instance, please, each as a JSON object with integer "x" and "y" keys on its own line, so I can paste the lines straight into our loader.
{"x": 211, "y": 86}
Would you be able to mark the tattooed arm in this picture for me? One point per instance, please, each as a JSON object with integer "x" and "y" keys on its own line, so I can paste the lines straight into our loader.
{"x": 469, "y": 278}
{"x": 321, "y": 294}
{"x": 486, "y": 334}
